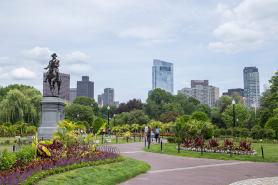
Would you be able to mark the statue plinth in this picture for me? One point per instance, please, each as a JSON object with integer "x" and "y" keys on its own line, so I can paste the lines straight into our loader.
{"x": 52, "y": 111}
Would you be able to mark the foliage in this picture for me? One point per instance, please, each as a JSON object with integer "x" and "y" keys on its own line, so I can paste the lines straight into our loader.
{"x": 79, "y": 155}
{"x": 87, "y": 101}
{"x": 223, "y": 103}
{"x": 269, "y": 100}
{"x": 241, "y": 115}
{"x": 26, "y": 154}
{"x": 200, "y": 116}
{"x": 22, "y": 129}
{"x": 69, "y": 133}
{"x": 244, "y": 145}
{"x": 167, "y": 117}
{"x": 7, "y": 160}
{"x": 97, "y": 125}
{"x": 131, "y": 105}
{"x": 20, "y": 103}
{"x": 78, "y": 112}
{"x": 213, "y": 143}
{"x": 272, "y": 123}
{"x": 160, "y": 102}
{"x": 133, "y": 117}
{"x": 228, "y": 143}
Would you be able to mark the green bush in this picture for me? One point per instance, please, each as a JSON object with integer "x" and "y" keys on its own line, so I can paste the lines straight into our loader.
{"x": 272, "y": 123}
{"x": 217, "y": 132}
{"x": 229, "y": 132}
{"x": 200, "y": 116}
{"x": 7, "y": 160}
{"x": 244, "y": 132}
{"x": 236, "y": 132}
{"x": 255, "y": 132}
{"x": 268, "y": 133}
{"x": 171, "y": 139}
{"x": 26, "y": 154}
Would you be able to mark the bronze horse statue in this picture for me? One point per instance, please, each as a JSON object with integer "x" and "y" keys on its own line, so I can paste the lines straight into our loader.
{"x": 53, "y": 75}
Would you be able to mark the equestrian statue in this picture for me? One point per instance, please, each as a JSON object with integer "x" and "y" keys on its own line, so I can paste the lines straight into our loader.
{"x": 53, "y": 75}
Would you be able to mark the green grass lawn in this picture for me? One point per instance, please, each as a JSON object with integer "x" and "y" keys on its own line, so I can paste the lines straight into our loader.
{"x": 108, "y": 174}
{"x": 270, "y": 153}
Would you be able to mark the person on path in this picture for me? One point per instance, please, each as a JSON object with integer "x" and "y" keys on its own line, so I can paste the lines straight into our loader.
{"x": 149, "y": 135}
{"x": 152, "y": 135}
{"x": 157, "y": 131}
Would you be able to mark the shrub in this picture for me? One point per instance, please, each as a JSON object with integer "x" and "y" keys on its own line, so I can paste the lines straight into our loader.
{"x": 188, "y": 143}
{"x": 268, "y": 133}
{"x": 213, "y": 143}
{"x": 217, "y": 132}
{"x": 255, "y": 132}
{"x": 228, "y": 143}
{"x": 199, "y": 142}
{"x": 200, "y": 116}
{"x": 7, "y": 160}
{"x": 272, "y": 123}
{"x": 171, "y": 139}
{"x": 244, "y": 145}
{"x": 236, "y": 132}
{"x": 244, "y": 132}
{"x": 229, "y": 132}
{"x": 26, "y": 154}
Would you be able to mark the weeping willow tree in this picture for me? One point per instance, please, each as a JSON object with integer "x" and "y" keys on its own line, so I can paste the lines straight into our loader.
{"x": 20, "y": 105}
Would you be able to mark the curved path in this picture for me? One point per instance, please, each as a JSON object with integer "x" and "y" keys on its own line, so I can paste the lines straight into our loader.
{"x": 174, "y": 170}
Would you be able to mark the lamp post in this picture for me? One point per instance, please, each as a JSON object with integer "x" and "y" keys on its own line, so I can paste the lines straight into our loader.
{"x": 234, "y": 114}
{"x": 108, "y": 109}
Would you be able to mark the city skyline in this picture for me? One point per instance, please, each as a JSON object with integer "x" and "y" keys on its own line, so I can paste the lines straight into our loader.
{"x": 115, "y": 42}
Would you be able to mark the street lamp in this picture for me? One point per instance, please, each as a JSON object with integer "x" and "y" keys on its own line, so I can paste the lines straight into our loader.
{"x": 108, "y": 108}
{"x": 234, "y": 114}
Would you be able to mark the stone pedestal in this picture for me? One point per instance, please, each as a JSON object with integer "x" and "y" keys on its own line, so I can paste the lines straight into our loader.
{"x": 52, "y": 111}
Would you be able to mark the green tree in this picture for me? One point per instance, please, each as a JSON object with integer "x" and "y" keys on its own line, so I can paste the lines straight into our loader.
{"x": 242, "y": 115}
{"x": 76, "y": 112}
{"x": 272, "y": 123}
{"x": 86, "y": 101}
{"x": 224, "y": 102}
{"x": 200, "y": 116}
{"x": 269, "y": 100}
{"x": 133, "y": 117}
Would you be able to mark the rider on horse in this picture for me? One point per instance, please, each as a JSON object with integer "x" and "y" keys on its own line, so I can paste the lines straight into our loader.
{"x": 53, "y": 68}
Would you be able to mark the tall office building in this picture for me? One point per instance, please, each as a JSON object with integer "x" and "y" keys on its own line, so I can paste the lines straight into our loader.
{"x": 72, "y": 94}
{"x": 85, "y": 87}
{"x": 202, "y": 91}
{"x": 100, "y": 100}
{"x": 251, "y": 86}
{"x": 237, "y": 91}
{"x": 64, "y": 89}
{"x": 108, "y": 96}
{"x": 194, "y": 83}
{"x": 162, "y": 75}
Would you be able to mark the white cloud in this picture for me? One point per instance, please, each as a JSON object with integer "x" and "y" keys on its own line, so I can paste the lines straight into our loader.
{"x": 76, "y": 56}
{"x": 248, "y": 25}
{"x": 22, "y": 74}
{"x": 37, "y": 53}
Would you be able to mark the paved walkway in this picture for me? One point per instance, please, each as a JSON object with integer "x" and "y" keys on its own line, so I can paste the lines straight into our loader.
{"x": 174, "y": 170}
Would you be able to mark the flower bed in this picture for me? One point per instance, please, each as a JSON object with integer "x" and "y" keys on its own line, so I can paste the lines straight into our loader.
{"x": 58, "y": 156}
{"x": 213, "y": 146}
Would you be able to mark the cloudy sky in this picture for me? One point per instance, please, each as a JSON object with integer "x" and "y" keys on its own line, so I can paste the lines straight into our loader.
{"x": 115, "y": 41}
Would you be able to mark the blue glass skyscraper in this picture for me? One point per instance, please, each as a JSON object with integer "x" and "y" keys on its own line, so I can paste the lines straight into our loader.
{"x": 162, "y": 75}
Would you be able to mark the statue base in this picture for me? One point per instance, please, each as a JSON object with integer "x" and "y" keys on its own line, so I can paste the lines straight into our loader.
{"x": 52, "y": 111}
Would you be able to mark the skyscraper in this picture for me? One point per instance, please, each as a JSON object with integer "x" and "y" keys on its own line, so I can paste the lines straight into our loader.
{"x": 85, "y": 87}
{"x": 202, "y": 91}
{"x": 64, "y": 89}
{"x": 162, "y": 75}
{"x": 72, "y": 94}
{"x": 108, "y": 96}
{"x": 251, "y": 86}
